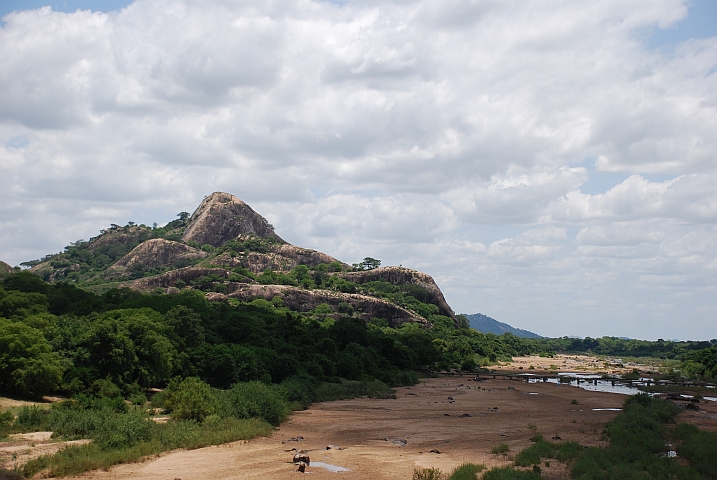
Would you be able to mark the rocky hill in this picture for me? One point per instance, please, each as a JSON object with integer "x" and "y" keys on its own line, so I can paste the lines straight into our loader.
{"x": 231, "y": 253}
{"x": 222, "y": 217}
{"x": 5, "y": 269}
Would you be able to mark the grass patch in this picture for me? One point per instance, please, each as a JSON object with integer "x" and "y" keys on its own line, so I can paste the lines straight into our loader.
{"x": 177, "y": 434}
{"x": 6, "y": 474}
{"x": 543, "y": 449}
{"x": 638, "y": 446}
{"x": 345, "y": 389}
{"x": 501, "y": 448}
{"x": 467, "y": 471}
{"x": 699, "y": 447}
{"x": 510, "y": 473}
{"x": 427, "y": 474}
{"x": 696, "y": 389}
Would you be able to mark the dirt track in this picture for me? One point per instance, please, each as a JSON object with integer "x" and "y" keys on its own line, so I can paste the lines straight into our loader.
{"x": 423, "y": 415}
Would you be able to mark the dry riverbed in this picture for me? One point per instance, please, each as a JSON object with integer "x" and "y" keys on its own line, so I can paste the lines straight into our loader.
{"x": 461, "y": 419}
{"x": 443, "y": 421}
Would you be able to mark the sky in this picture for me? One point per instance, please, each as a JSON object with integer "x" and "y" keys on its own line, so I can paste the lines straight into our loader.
{"x": 549, "y": 163}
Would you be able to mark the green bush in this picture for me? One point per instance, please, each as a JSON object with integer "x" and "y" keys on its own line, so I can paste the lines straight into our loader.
{"x": 510, "y": 473}
{"x": 31, "y": 418}
{"x": 427, "y": 474}
{"x": 190, "y": 399}
{"x": 542, "y": 449}
{"x": 300, "y": 390}
{"x": 28, "y": 366}
{"x": 343, "y": 389}
{"x": 255, "y": 400}
{"x": 118, "y": 431}
{"x": 6, "y": 418}
{"x": 138, "y": 399}
{"x": 699, "y": 447}
{"x": 533, "y": 454}
{"x": 108, "y": 428}
{"x": 466, "y": 471}
{"x": 637, "y": 447}
{"x": 498, "y": 449}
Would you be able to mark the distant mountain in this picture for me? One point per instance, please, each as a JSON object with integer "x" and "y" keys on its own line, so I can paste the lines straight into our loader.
{"x": 484, "y": 323}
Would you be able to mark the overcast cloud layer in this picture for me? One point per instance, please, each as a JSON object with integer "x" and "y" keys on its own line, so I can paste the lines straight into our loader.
{"x": 539, "y": 159}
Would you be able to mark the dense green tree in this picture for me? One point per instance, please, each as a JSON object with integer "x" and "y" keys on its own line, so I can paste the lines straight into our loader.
{"x": 130, "y": 346}
{"x": 21, "y": 304}
{"x": 28, "y": 366}
{"x": 190, "y": 399}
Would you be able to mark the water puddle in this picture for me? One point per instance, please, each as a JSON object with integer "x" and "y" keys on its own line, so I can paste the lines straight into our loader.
{"x": 607, "y": 409}
{"x": 329, "y": 467}
{"x": 595, "y": 384}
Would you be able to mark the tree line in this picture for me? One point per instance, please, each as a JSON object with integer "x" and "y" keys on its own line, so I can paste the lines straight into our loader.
{"x": 60, "y": 338}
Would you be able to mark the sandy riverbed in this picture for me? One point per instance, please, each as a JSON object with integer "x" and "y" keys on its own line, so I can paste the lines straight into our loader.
{"x": 423, "y": 415}
{"x": 498, "y": 411}
{"x": 574, "y": 363}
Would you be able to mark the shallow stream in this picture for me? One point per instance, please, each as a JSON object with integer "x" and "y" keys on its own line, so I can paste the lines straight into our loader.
{"x": 595, "y": 383}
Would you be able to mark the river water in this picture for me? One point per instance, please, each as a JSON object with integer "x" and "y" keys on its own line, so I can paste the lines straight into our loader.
{"x": 596, "y": 383}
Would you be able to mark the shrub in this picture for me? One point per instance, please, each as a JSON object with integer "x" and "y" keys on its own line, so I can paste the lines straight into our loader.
{"x": 427, "y": 474}
{"x": 698, "y": 447}
{"x": 6, "y": 418}
{"x": 498, "y": 449}
{"x": 28, "y": 366}
{"x": 637, "y": 445}
{"x": 190, "y": 399}
{"x": 299, "y": 390}
{"x": 106, "y": 388}
{"x": 255, "y": 400}
{"x": 138, "y": 399}
{"x": 533, "y": 454}
{"x": 32, "y": 417}
{"x": 509, "y": 473}
{"x": 466, "y": 471}
{"x": 121, "y": 430}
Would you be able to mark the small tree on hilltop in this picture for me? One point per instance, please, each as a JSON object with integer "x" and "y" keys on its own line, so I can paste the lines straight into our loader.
{"x": 368, "y": 263}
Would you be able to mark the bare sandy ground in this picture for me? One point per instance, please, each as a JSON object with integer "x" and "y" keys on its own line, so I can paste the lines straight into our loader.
{"x": 498, "y": 411}
{"x": 574, "y": 363}
{"x": 23, "y": 447}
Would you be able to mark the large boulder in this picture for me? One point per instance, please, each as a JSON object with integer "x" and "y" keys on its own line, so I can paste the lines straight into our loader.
{"x": 170, "y": 279}
{"x": 222, "y": 217}
{"x": 404, "y": 276}
{"x": 158, "y": 252}
{"x": 303, "y": 300}
{"x": 279, "y": 257}
{"x": 127, "y": 235}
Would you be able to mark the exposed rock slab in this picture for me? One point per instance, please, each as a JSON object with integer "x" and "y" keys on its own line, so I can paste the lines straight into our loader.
{"x": 122, "y": 235}
{"x": 303, "y": 300}
{"x": 158, "y": 252}
{"x": 171, "y": 278}
{"x": 404, "y": 276}
{"x": 281, "y": 258}
{"x": 222, "y": 217}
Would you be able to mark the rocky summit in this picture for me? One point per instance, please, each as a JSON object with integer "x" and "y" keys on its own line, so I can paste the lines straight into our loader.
{"x": 231, "y": 253}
